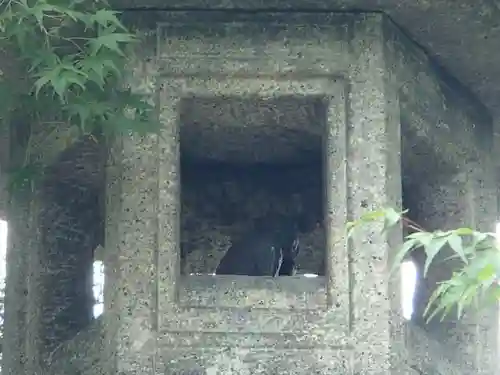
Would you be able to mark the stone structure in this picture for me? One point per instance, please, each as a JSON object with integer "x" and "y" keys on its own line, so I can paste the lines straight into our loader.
{"x": 321, "y": 115}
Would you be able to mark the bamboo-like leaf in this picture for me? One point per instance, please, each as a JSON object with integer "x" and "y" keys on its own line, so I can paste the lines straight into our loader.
{"x": 435, "y": 303}
{"x": 392, "y": 217}
{"x": 432, "y": 249}
{"x": 487, "y": 273}
{"x": 424, "y": 238}
{"x": 455, "y": 242}
{"x": 467, "y": 297}
{"x": 406, "y": 248}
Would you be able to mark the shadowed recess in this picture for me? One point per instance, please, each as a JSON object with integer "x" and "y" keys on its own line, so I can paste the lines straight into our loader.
{"x": 244, "y": 159}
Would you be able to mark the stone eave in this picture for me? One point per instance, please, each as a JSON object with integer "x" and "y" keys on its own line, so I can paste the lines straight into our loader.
{"x": 462, "y": 35}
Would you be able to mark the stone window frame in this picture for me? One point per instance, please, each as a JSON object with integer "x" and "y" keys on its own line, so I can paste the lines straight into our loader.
{"x": 328, "y": 294}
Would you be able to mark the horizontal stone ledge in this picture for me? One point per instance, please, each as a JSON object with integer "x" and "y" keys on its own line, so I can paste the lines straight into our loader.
{"x": 305, "y": 5}
{"x": 278, "y": 341}
{"x": 231, "y": 291}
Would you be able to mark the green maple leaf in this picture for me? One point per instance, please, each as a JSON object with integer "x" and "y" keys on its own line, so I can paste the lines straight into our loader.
{"x": 60, "y": 78}
{"x": 107, "y": 18}
{"x": 39, "y": 10}
{"x": 85, "y": 109}
{"x": 111, "y": 42}
{"x": 99, "y": 66}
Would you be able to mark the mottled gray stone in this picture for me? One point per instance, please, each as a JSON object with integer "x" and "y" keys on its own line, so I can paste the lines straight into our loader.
{"x": 131, "y": 245}
{"x": 132, "y": 228}
{"x": 427, "y": 354}
{"x": 451, "y": 31}
{"x": 249, "y": 361}
{"x": 64, "y": 277}
{"x": 169, "y": 193}
{"x": 396, "y": 134}
{"x": 4, "y": 165}
{"x": 374, "y": 171}
{"x": 246, "y": 291}
{"x": 33, "y": 319}
{"x": 239, "y": 130}
{"x": 20, "y": 241}
{"x": 82, "y": 354}
{"x": 452, "y": 188}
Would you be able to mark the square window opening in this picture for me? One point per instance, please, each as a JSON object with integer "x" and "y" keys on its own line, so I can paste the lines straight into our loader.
{"x": 248, "y": 164}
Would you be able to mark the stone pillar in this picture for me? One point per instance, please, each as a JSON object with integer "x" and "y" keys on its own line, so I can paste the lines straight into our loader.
{"x": 374, "y": 181}
{"x": 169, "y": 202}
{"x": 16, "y": 210}
{"x": 58, "y": 267}
{"x": 496, "y": 182}
{"x": 4, "y": 163}
{"x": 21, "y": 243}
{"x": 131, "y": 247}
{"x": 47, "y": 299}
{"x": 34, "y": 346}
{"x": 479, "y": 333}
{"x": 466, "y": 198}
{"x": 20, "y": 355}
{"x": 336, "y": 197}
{"x": 132, "y": 241}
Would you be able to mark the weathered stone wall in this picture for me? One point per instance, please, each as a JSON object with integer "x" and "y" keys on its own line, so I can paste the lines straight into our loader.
{"x": 148, "y": 324}
{"x": 429, "y": 356}
{"x": 363, "y": 325}
{"x": 22, "y": 241}
{"x": 451, "y": 184}
{"x": 221, "y": 201}
{"x": 65, "y": 279}
{"x": 345, "y": 322}
{"x": 70, "y": 228}
{"x": 52, "y": 233}
{"x": 4, "y": 159}
{"x": 83, "y": 354}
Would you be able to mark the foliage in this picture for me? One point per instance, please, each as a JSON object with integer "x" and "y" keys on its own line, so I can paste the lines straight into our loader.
{"x": 475, "y": 280}
{"x": 62, "y": 65}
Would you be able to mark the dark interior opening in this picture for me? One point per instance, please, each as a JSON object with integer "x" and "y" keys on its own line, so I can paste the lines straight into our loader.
{"x": 243, "y": 159}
